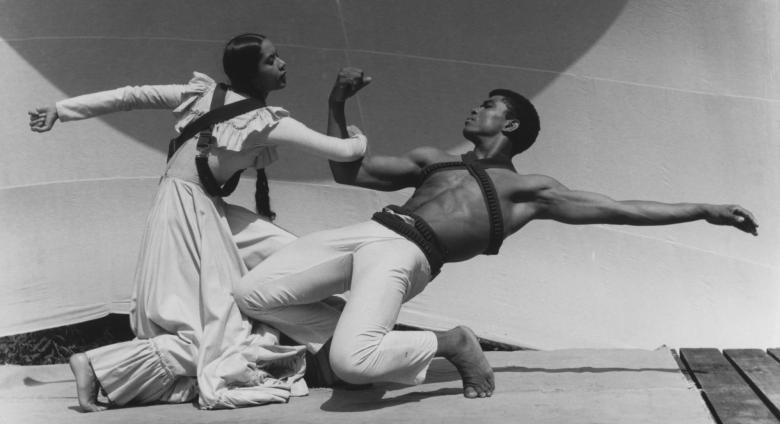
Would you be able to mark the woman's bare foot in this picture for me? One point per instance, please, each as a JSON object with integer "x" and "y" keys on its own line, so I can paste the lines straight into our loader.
{"x": 87, "y": 385}
{"x": 461, "y": 347}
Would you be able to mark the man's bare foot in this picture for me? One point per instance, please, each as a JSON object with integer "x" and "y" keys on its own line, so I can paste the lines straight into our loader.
{"x": 87, "y": 385}
{"x": 461, "y": 347}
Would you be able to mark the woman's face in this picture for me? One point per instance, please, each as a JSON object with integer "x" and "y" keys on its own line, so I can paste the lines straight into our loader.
{"x": 271, "y": 73}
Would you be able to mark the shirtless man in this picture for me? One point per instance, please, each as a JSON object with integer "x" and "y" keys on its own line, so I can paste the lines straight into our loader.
{"x": 462, "y": 207}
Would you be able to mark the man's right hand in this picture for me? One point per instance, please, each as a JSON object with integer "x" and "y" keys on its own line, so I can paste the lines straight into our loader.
{"x": 733, "y": 215}
{"x": 349, "y": 81}
{"x": 42, "y": 119}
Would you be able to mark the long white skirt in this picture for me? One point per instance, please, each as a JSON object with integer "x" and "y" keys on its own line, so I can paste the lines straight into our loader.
{"x": 187, "y": 325}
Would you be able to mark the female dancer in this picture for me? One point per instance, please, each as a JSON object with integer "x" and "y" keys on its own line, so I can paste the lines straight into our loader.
{"x": 195, "y": 245}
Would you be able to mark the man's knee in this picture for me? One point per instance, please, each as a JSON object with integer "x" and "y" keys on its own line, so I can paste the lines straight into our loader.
{"x": 251, "y": 300}
{"x": 242, "y": 295}
{"x": 352, "y": 363}
{"x": 350, "y": 371}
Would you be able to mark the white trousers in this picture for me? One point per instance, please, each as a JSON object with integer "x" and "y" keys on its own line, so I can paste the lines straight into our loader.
{"x": 380, "y": 268}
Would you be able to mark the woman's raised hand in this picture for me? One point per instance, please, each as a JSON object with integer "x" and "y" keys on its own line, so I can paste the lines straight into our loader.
{"x": 42, "y": 119}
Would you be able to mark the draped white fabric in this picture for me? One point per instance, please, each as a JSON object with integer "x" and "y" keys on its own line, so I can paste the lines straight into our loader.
{"x": 670, "y": 101}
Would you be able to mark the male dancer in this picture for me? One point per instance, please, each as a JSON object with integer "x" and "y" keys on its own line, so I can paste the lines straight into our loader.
{"x": 462, "y": 207}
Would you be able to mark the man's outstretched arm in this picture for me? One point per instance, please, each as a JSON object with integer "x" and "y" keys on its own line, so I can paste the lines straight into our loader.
{"x": 557, "y": 202}
{"x": 387, "y": 173}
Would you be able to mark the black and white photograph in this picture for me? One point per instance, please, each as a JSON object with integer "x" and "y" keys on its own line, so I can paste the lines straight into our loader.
{"x": 390, "y": 211}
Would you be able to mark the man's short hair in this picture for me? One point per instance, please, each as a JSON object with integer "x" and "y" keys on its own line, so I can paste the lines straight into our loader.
{"x": 520, "y": 108}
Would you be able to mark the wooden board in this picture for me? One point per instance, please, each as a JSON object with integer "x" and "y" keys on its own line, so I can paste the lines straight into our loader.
{"x": 730, "y": 398}
{"x": 774, "y": 352}
{"x": 761, "y": 371}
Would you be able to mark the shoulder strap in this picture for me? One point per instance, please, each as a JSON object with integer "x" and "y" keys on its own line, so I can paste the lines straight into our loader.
{"x": 218, "y": 113}
{"x": 489, "y": 193}
{"x": 477, "y": 168}
{"x": 469, "y": 157}
{"x": 205, "y": 140}
{"x": 472, "y": 159}
{"x": 429, "y": 170}
{"x": 495, "y": 217}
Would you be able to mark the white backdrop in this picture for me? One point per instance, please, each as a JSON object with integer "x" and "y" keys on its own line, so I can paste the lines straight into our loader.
{"x": 671, "y": 101}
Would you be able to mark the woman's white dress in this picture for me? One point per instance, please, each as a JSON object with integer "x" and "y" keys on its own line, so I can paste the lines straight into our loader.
{"x": 190, "y": 336}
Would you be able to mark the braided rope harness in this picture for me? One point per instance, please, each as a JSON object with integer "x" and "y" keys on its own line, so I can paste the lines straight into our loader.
{"x": 421, "y": 233}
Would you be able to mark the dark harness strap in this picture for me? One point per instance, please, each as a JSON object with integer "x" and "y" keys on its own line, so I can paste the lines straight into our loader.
{"x": 436, "y": 167}
{"x": 217, "y": 113}
{"x": 202, "y": 126}
{"x": 420, "y": 234}
{"x": 493, "y": 206}
{"x": 476, "y": 168}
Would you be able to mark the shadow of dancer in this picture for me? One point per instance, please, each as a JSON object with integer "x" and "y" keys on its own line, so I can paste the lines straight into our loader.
{"x": 374, "y": 398}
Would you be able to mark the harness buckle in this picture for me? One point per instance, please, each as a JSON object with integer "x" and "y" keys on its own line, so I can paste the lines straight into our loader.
{"x": 205, "y": 140}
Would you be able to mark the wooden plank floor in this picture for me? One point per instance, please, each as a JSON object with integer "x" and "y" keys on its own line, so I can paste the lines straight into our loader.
{"x": 740, "y": 386}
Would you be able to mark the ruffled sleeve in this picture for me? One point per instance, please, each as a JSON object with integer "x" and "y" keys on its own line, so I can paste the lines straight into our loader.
{"x": 196, "y": 87}
{"x": 236, "y": 134}
{"x": 249, "y": 130}
{"x": 248, "y": 133}
{"x": 172, "y": 96}
{"x": 260, "y": 131}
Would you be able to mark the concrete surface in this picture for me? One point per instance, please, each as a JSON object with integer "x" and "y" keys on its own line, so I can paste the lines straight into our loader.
{"x": 561, "y": 387}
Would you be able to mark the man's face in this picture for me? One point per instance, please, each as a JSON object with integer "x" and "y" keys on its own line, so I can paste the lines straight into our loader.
{"x": 487, "y": 119}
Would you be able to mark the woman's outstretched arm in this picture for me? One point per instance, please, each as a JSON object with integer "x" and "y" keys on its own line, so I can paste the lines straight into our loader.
{"x": 170, "y": 96}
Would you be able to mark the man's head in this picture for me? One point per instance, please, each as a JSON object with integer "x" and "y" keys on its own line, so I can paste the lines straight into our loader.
{"x": 507, "y": 113}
